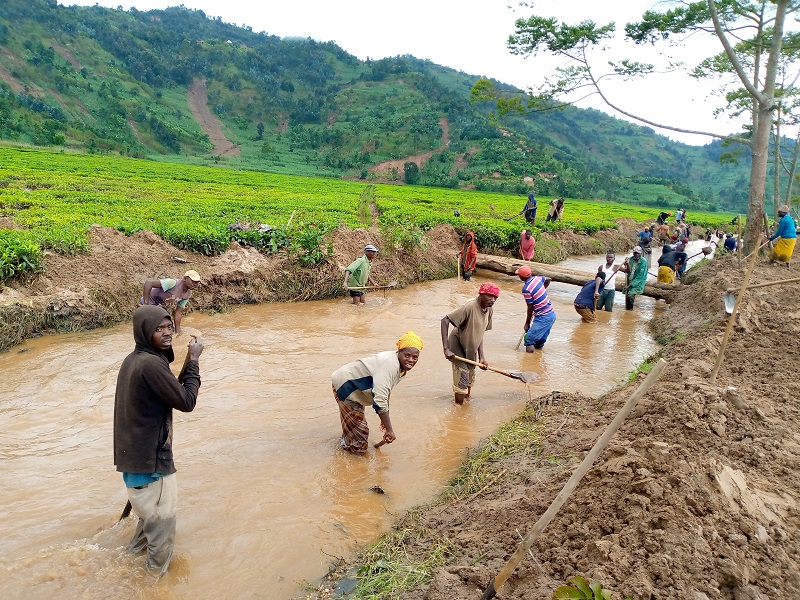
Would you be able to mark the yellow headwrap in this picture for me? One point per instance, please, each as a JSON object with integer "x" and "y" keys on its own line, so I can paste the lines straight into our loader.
{"x": 409, "y": 340}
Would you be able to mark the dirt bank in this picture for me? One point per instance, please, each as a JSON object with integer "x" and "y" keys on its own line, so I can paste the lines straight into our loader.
{"x": 696, "y": 498}
{"x": 103, "y": 286}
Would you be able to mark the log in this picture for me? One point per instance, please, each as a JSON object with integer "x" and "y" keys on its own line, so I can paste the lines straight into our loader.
{"x": 509, "y": 266}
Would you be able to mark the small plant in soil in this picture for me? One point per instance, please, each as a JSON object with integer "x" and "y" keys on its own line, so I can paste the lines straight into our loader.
{"x": 579, "y": 588}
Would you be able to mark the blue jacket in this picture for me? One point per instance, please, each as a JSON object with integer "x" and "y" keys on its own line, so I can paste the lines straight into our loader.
{"x": 786, "y": 228}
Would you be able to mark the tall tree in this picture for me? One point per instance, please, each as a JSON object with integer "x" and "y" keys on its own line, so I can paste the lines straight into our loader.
{"x": 729, "y": 21}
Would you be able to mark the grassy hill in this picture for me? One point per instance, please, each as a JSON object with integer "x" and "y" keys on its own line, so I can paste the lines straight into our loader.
{"x": 135, "y": 83}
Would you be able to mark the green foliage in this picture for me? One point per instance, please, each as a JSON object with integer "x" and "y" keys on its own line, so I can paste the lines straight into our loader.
{"x": 364, "y": 205}
{"x": 58, "y": 196}
{"x": 308, "y": 244}
{"x": 579, "y": 588}
{"x": 643, "y": 367}
{"x": 411, "y": 172}
{"x": 122, "y": 89}
{"x": 20, "y": 255}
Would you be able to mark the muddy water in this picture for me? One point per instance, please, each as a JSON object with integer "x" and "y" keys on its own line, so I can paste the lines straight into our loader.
{"x": 266, "y": 498}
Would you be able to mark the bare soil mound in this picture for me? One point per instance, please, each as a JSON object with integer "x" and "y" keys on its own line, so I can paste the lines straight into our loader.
{"x": 697, "y": 496}
{"x": 104, "y": 285}
{"x": 392, "y": 170}
{"x": 209, "y": 122}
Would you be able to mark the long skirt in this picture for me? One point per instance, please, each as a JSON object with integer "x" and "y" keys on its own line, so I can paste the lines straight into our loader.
{"x": 666, "y": 274}
{"x": 782, "y": 252}
{"x": 355, "y": 431}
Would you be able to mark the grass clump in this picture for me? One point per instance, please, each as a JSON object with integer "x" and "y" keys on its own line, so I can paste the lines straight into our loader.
{"x": 407, "y": 556}
{"x": 643, "y": 367}
{"x": 388, "y": 567}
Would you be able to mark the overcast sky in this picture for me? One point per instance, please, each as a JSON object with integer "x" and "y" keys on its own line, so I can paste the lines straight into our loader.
{"x": 471, "y": 35}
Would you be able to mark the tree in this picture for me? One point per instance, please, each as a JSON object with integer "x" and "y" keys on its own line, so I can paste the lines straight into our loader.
{"x": 411, "y": 172}
{"x": 726, "y": 20}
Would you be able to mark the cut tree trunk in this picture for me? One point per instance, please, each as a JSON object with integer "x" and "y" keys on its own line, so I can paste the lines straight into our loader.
{"x": 509, "y": 266}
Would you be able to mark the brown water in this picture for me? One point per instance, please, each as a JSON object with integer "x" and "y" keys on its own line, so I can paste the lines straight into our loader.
{"x": 266, "y": 497}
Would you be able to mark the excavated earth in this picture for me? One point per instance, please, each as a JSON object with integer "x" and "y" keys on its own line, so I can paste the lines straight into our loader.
{"x": 104, "y": 285}
{"x": 696, "y": 498}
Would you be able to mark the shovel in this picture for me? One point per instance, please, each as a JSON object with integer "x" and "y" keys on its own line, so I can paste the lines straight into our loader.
{"x": 391, "y": 284}
{"x": 730, "y": 293}
{"x": 705, "y": 251}
{"x": 523, "y": 376}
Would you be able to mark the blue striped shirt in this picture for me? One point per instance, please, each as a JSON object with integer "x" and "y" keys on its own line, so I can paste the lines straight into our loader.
{"x": 535, "y": 293}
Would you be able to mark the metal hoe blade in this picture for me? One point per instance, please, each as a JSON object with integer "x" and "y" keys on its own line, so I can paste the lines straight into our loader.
{"x": 730, "y": 302}
{"x": 525, "y": 376}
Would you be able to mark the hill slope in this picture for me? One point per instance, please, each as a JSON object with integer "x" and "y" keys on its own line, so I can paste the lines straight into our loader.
{"x": 176, "y": 85}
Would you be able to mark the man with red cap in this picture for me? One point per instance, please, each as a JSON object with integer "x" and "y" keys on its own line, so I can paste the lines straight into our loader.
{"x": 540, "y": 314}
{"x": 469, "y": 322}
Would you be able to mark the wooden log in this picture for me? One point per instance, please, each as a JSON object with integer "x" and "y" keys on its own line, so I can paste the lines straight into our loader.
{"x": 509, "y": 266}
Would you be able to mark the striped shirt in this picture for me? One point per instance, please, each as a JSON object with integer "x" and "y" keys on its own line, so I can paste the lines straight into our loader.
{"x": 535, "y": 293}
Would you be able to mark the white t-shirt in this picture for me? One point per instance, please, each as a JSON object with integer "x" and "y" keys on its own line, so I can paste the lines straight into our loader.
{"x": 610, "y": 277}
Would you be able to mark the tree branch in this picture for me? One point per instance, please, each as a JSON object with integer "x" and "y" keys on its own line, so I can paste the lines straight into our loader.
{"x": 757, "y": 95}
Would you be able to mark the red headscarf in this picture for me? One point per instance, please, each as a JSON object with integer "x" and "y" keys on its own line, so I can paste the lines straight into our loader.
{"x": 489, "y": 288}
{"x": 469, "y": 253}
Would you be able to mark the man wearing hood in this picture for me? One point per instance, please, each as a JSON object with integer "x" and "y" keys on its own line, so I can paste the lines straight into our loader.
{"x": 147, "y": 391}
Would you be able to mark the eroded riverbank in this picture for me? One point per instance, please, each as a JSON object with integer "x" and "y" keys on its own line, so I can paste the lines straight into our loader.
{"x": 266, "y": 498}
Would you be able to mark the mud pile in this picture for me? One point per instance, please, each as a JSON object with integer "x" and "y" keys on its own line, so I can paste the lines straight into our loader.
{"x": 695, "y": 498}
{"x": 104, "y": 285}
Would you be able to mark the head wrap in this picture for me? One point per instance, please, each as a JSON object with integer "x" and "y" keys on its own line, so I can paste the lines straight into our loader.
{"x": 409, "y": 340}
{"x": 370, "y": 248}
{"x": 489, "y": 288}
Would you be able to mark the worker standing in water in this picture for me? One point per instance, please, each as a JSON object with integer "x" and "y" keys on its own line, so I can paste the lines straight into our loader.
{"x": 470, "y": 322}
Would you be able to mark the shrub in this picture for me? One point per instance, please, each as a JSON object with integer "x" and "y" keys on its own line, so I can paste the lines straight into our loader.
{"x": 20, "y": 255}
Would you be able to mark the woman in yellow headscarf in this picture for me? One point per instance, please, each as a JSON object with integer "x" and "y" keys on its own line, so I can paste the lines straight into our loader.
{"x": 369, "y": 382}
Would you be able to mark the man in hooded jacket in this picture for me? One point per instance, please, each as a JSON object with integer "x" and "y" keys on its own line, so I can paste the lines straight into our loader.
{"x": 147, "y": 391}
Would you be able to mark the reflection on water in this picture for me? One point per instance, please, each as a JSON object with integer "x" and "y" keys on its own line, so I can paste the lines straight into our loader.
{"x": 266, "y": 497}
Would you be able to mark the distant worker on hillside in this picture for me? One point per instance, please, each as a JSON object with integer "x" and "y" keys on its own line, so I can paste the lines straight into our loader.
{"x": 369, "y": 382}
{"x": 468, "y": 257}
{"x": 527, "y": 245}
{"x": 540, "y": 314}
{"x": 171, "y": 293}
{"x": 787, "y": 232}
{"x": 679, "y": 215}
{"x": 590, "y": 293}
{"x": 530, "y": 208}
{"x": 730, "y": 243}
{"x": 606, "y": 299}
{"x": 357, "y": 275}
{"x": 470, "y": 322}
{"x": 560, "y": 208}
{"x": 552, "y": 211}
{"x": 635, "y": 269}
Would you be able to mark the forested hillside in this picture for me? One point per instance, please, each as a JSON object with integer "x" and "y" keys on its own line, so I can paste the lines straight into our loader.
{"x": 176, "y": 85}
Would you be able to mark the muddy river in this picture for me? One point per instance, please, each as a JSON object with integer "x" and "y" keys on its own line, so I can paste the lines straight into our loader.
{"x": 267, "y": 500}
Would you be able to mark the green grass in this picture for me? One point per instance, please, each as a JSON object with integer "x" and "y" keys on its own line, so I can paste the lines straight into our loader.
{"x": 390, "y": 567}
{"x": 56, "y": 197}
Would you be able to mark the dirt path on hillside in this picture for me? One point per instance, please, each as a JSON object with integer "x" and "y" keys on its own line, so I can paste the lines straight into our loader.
{"x": 697, "y": 496}
{"x": 390, "y": 171}
{"x": 208, "y": 121}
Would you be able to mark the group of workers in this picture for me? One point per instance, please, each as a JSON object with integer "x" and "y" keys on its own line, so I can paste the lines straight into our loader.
{"x": 147, "y": 391}
{"x": 554, "y": 213}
